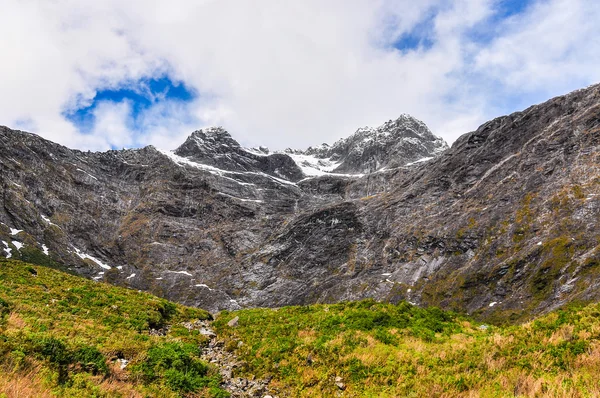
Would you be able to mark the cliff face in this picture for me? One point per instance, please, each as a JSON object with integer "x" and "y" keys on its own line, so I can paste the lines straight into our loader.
{"x": 504, "y": 223}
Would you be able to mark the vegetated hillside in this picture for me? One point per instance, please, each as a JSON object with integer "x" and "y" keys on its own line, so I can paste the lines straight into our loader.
{"x": 63, "y": 335}
{"x": 502, "y": 225}
{"x": 370, "y": 349}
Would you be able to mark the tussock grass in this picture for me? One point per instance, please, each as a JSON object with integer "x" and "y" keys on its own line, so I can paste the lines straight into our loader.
{"x": 62, "y": 335}
{"x": 385, "y": 350}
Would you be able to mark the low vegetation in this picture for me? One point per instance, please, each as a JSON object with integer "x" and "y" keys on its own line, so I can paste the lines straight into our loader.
{"x": 373, "y": 349}
{"x": 62, "y": 335}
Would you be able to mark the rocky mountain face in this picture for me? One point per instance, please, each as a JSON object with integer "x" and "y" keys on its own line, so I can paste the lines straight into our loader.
{"x": 502, "y": 224}
{"x": 393, "y": 144}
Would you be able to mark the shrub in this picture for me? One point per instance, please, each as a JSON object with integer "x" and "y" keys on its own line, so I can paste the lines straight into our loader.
{"x": 178, "y": 365}
{"x": 91, "y": 360}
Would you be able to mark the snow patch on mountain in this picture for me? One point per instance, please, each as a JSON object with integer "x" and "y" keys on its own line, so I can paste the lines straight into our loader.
{"x": 84, "y": 256}
{"x": 7, "y": 249}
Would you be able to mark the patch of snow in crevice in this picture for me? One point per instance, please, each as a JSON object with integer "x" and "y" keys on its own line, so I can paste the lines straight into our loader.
{"x": 47, "y": 219}
{"x": 180, "y": 272}
{"x": 7, "y": 249}
{"x": 158, "y": 279}
{"x": 84, "y": 256}
{"x": 493, "y": 303}
{"x": 203, "y": 285}
{"x": 334, "y": 175}
{"x": 99, "y": 276}
{"x": 45, "y": 250}
{"x": 386, "y": 274}
{"x": 83, "y": 171}
{"x": 18, "y": 245}
{"x": 130, "y": 276}
{"x": 14, "y": 231}
{"x": 419, "y": 161}
{"x": 243, "y": 200}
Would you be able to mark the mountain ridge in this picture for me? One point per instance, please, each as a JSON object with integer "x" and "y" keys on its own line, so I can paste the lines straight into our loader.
{"x": 460, "y": 230}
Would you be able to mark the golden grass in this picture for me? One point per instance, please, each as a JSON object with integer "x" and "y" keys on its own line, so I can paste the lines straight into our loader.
{"x": 23, "y": 385}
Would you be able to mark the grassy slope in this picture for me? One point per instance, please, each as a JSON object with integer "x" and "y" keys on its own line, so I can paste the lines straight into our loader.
{"x": 382, "y": 350}
{"x": 62, "y": 335}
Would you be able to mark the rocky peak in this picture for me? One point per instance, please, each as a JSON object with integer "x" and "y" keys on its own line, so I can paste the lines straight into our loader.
{"x": 394, "y": 143}
{"x": 206, "y": 142}
{"x": 215, "y": 147}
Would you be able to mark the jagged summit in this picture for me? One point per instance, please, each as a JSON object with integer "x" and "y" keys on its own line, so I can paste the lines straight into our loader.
{"x": 215, "y": 147}
{"x": 393, "y": 144}
{"x": 211, "y": 140}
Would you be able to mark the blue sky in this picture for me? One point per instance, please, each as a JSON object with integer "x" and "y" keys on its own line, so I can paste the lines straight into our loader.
{"x": 283, "y": 74}
{"x": 141, "y": 94}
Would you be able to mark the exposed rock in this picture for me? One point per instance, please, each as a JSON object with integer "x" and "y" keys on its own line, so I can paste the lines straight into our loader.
{"x": 393, "y": 144}
{"x": 507, "y": 215}
{"x": 227, "y": 363}
{"x": 234, "y": 322}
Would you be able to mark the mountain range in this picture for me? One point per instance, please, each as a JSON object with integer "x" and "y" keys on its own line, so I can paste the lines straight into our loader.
{"x": 502, "y": 224}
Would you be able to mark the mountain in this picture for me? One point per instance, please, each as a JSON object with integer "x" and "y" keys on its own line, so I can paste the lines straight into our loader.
{"x": 393, "y": 144}
{"x": 501, "y": 225}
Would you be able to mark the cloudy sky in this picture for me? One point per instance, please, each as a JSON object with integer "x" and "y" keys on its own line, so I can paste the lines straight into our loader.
{"x": 122, "y": 74}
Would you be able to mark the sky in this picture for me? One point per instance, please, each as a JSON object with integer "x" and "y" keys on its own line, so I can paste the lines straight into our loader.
{"x": 112, "y": 74}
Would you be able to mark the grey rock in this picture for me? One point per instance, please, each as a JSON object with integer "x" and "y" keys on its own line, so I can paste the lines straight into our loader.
{"x": 222, "y": 227}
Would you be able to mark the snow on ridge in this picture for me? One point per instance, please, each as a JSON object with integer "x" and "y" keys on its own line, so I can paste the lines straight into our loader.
{"x": 203, "y": 285}
{"x": 260, "y": 151}
{"x": 220, "y": 172}
{"x": 313, "y": 166}
{"x": 84, "y": 256}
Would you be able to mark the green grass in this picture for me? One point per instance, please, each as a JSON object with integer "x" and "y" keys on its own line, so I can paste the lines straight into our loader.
{"x": 62, "y": 335}
{"x": 385, "y": 350}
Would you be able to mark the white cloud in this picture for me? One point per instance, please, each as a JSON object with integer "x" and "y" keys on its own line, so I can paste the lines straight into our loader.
{"x": 281, "y": 73}
{"x": 555, "y": 44}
